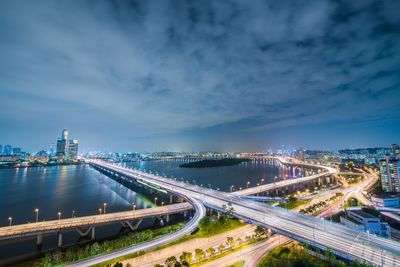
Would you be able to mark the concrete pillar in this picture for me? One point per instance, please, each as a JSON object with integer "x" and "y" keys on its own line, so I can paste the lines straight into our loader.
{"x": 184, "y": 214}
{"x": 170, "y": 199}
{"x": 59, "y": 240}
{"x": 167, "y": 218}
{"x": 93, "y": 232}
{"x": 39, "y": 240}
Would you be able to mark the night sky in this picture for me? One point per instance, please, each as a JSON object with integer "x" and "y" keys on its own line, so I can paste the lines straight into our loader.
{"x": 200, "y": 75}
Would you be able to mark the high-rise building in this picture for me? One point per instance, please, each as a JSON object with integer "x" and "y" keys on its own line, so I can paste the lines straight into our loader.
{"x": 62, "y": 146}
{"x": 7, "y": 150}
{"x": 52, "y": 150}
{"x": 73, "y": 149}
{"x": 66, "y": 150}
{"x": 390, "y": 169}
{"x": 396, "y": 151}
{"x": 64, "y": 134}
{"x": 1, "y": 149}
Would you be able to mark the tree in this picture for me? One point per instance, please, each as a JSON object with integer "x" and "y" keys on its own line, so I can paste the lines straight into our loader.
{"x": 259, "y": 231}
{"x": 118, "y": 264}
{"x": 230, "y": 241}
{"x": 199, "y": 253}
{"x": 221, "y": 248}
{"x": 185, "y": 264}
{"x": 239, "y": 241}
{"x": 158, "y": 265}
{"x": 210, "y": 251}
{"x": 170, "y": 261}
{"x": 186, "y": 256}
{"x": 204, "y": 224}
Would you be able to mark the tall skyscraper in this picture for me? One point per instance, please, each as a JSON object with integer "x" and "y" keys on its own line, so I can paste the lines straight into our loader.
{"x": 73, "y": 149}
{"x": 390, "y": 169}
{"x": 1, "y": 149}
{"x": 66, "y": 150}
{"x": 62, "y": 146}
{"x": 52, "y": 150}
{"x": 64, "y": 134}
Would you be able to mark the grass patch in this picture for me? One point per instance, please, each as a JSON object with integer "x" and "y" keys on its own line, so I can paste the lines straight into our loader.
{"x": 238, "y": 264}
{"x": 292, "y": 204}
{"x": 78, "y": 253}
{"x": 296, "y": 255}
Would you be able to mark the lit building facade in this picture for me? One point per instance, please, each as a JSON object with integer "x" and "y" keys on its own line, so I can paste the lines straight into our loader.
{"x": 66, "y": 150}
{"x": 73, "y": 149}
{"x": 389, "y": 169}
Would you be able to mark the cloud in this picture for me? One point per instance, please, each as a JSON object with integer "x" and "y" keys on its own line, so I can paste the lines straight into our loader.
{"x": 163, "y": 67}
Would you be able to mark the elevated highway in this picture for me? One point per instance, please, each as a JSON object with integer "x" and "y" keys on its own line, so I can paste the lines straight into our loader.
{"x": 86, "y": 224}
{"x": 326, "y": 171}
{"x": 339, "y": 239}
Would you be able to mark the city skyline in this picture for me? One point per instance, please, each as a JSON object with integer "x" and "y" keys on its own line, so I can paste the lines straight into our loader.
{"x": 187, "y": 76}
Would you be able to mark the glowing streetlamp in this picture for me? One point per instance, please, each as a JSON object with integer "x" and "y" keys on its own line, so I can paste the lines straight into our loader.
{"x": 104, "y": 207}
{"x": 59, "y": 216}
{"x": 73, "y": 212}
{"x": 262, "y": 180}
{"x": 247, "y": 184}
{"x": 37, "y": 214}
{"x": 133, "y": 206}
{"x": 10, "y": 220}
{"x": 100, "y": 211}
{"x": 155, "y": 201}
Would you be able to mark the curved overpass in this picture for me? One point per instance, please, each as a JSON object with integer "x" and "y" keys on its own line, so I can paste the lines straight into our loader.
{"x": 341, "y": 240}
{"x": 289, "y": 182}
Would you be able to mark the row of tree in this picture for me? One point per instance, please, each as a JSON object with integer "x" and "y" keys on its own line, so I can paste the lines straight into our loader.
{"x": 199, "y": 255}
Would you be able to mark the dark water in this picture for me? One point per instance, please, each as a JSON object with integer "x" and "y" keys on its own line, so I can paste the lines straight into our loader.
{"x": 60, "y": 188}
{"x": 218, "y": 177}
{"x": 82, "y": 189}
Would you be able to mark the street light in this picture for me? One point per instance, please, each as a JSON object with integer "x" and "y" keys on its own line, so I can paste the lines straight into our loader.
{"x": 231, "y": 188}
{"x": 104, "y": 207}
{"x": 10, "y": 220}
{"x": 100, "y": 211}
{"x": 162, "y": 203}
{"x": 262, "y": 180}
{"x": 73, "y": 212}
{"x": 155, "y": 201}
{"x": 133, "y": 206}
{"x": 59, "y": 216}
{"x": 247, "y": 184}
{"x": 37, "y": 214}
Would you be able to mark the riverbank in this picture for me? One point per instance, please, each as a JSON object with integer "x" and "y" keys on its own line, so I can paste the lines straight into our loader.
{"x": 211, "y": 163}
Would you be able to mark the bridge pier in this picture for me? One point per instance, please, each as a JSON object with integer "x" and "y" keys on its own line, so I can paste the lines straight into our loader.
{"x": 59, "y": 240}
{"x": 93, "y": 232}
{"x": 133, "y": 227}
{"x": 170, "y": 199}
{"x": 39, "y": 240}
{"x": 85, "y": 232}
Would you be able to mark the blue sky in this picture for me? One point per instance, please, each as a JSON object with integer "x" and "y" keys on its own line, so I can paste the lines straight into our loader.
{"x": 200, "y": 75}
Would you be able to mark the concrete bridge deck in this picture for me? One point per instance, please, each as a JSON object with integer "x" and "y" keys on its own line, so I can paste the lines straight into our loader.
{"x": 85, "y": 222}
